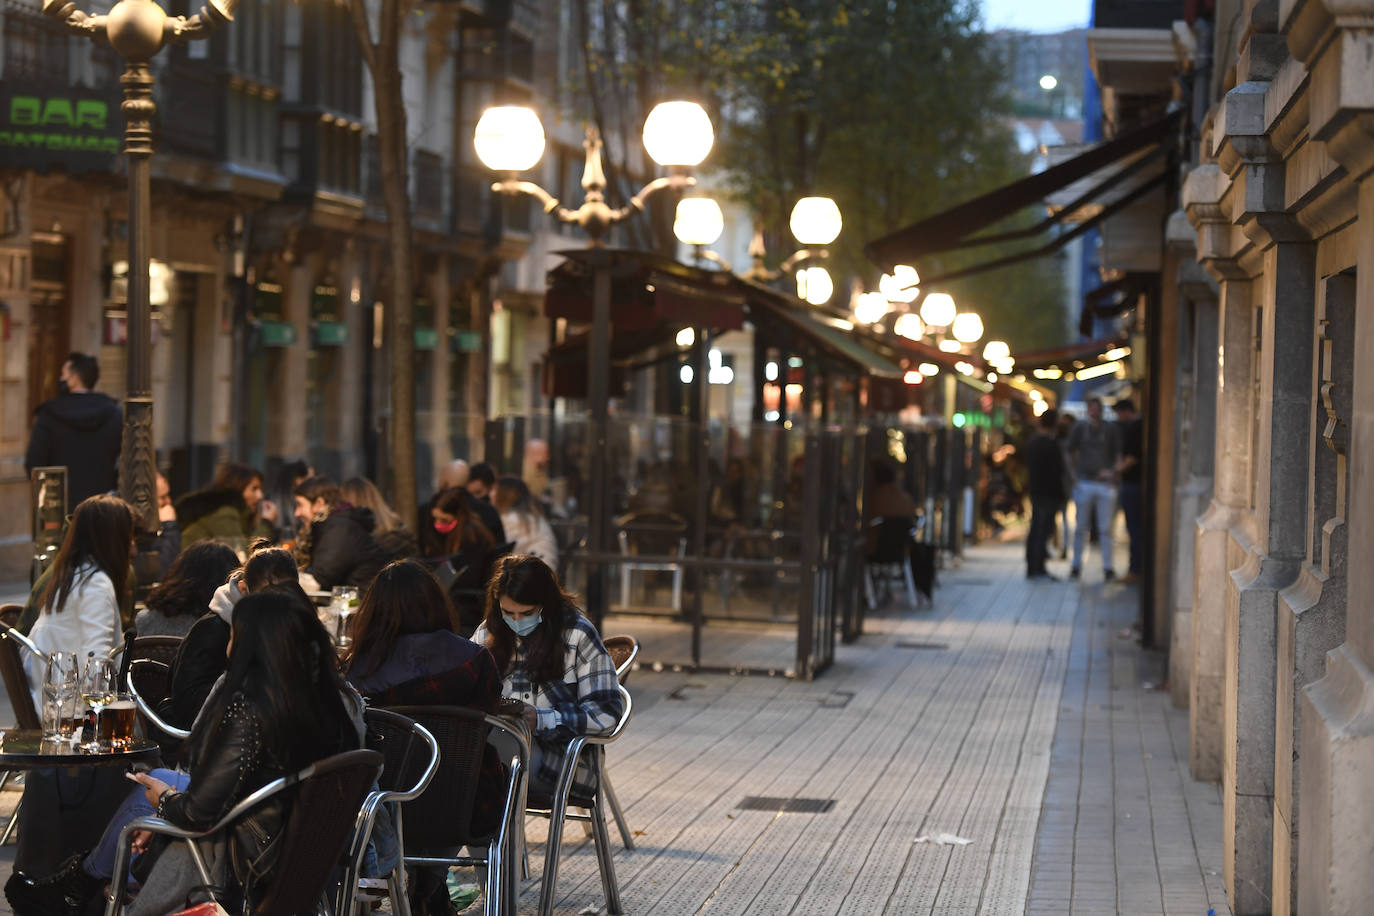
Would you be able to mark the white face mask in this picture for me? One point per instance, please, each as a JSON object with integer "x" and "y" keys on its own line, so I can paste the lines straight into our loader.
{"x": 523, "y": 626}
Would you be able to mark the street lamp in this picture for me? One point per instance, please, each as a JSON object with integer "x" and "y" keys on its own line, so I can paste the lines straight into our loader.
{"x": 815, "y": 222}
{"x": 138, "y": 30}
{"x": 509, "y": 139}
{"x": 938, "y": 310}
{"x": 699, "y": 222}
{"x": 967, "y": 328}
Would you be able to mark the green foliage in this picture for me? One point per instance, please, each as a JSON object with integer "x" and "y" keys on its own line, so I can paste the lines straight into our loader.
{"x": 895, "y": 108}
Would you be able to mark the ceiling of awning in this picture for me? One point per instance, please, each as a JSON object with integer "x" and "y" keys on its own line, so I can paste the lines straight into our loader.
{"x": 839, "y": 342}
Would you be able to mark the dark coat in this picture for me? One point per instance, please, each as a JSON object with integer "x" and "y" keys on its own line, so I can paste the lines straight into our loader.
{"x": 399, "y": 543}
{"x": 1045, "y": 468}
{"x": 432, "y": 542}
{"x": 199, "y": 663}
{"x": 343, "y": 550}
{"x": 83, "y": 433}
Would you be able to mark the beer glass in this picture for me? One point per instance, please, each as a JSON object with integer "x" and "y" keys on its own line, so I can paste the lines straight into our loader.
{"x": 343, "y": 602}
{"x": 117, "y": 721}
{"x": 97, "y": 689}
{"x": 61, "y": 686}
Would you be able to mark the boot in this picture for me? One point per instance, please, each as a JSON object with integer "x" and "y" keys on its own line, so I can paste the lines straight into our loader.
{"x": 63, "y": 893}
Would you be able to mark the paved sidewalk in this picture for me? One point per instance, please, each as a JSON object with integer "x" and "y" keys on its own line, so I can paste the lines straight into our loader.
{"x": 1012, "y": 715}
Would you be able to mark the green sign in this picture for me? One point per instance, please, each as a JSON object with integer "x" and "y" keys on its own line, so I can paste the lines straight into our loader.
{"x": 277, "y": 333}
{"x": 329, "y": 333}
{"x": 971, "y": 418}
{"x": 426, "y": 339}
{"x": 77, "y": 128}
{"x": 466, "y": 342}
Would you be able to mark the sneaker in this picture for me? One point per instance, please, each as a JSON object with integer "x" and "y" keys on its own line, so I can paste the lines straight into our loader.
{"x": 1074, "y": 573}
{"x": 1108, "y": 575}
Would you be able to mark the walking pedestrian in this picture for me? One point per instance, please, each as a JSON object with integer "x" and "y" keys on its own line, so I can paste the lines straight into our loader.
{"x": 1045, "y": 480}
{"x": 80, "y": 430}
{"x": 1095, "y": 448}
{"x": 1128, "y": 467}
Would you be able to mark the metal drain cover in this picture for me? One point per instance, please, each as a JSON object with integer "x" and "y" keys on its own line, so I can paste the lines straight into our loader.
{"x": 912, "y": 644}
{"x": 787, "y": 805}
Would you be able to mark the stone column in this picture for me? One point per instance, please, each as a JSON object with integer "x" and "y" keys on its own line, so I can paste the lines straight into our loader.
{"x": 286, "y": 416}
{"x": 1217, "y": 246}
{"x": 352, "y": 354}
{"x": 440, "y": 292}
{"x": 1335, "y": 39}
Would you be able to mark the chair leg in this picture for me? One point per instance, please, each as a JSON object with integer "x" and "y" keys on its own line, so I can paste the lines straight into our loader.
{"x": 910, "y": 585}
{"x": 868, "y": 588}
{"x": 677, "y": 589}
{"x": 553, "y": 847}
{"x": 14, "y": 818}
{"x": 625, "y": 585}
{"x": 608, "y": 794}
{"x": 496, "y": 880}
{"x": 602, "y": 838}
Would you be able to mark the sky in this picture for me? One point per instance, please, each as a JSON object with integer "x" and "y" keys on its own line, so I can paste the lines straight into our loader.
{"x": 1036, "y": 15}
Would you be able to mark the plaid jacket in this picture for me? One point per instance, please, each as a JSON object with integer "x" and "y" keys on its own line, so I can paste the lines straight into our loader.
{"x": 585, "y": 702}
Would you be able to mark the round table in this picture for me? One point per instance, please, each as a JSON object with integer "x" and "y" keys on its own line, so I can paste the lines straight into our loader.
{"x": 24, "y": 749}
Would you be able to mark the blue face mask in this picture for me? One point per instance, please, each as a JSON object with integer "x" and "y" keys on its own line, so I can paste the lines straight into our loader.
{"x": 523, "y": 626}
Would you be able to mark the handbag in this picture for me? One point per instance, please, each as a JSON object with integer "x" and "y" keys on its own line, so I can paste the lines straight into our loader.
{"x": 209, "y": 905}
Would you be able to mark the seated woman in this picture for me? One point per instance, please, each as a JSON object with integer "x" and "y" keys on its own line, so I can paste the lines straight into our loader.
{"x": 553, "y": 661}
{"x": 525, "y": 524}
{"x": 201, "y": 658}
{"x": 184, "y": 594}
{"x": 407, "y": 652}
{"x": 396, "y": 540}
{"x": 231, "y": 506}
{"x": 280, "y": 708}
{"x": 470, "y": 549}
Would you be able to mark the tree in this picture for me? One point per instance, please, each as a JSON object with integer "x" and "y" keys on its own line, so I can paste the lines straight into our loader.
{"x": 896, "y": 110}
{"x": 383, "y": 60}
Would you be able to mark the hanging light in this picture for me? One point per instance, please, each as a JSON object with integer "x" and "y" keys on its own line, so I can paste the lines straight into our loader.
{"x": 949, "y": 345}
{"x": 870, "y": 308}
{"x": 938, "y": 310}
{"x": 509, "y": 138}
{"x": 909, "y": 326}
{"x": 816, "y": 221}
{"x": 996, "y": 350}
{"x": 900, "y": 285}
{"x": 686, "y": 337}
{"x": 814, "y": 285}
{"x": 967, "y": 327}
{"x": 698, "y": 221}
{"x": 929, "y": 370}
{"x": 913, "y": 377}
{"x": 678, "y": 133}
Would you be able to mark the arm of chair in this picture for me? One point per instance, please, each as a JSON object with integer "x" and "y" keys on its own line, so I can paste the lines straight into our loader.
{"x": 578, "y": 744}
{"x": 26, "y": 643}
{"x": 146, "y": 708}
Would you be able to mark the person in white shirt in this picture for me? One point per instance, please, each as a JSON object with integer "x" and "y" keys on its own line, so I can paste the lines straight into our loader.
{"x": 79, "y": 611}
{"x": 524, "y": 522}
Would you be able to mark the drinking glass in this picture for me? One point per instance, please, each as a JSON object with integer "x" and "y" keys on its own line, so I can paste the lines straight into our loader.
{"x": 61, "y": 685}
{"x": 117, "y": 721}
{"x": 343, "y": 602}
{"x": 98, "y": 684}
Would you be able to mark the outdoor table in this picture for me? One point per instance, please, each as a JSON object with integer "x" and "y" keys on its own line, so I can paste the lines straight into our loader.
{"x": 25, "y": 749}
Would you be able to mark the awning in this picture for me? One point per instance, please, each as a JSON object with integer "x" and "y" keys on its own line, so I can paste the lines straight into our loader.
{"x": 957, "y": 227}
{"x": 767, "y": 315}
{"x": 646, "y": 290}
{"x": 1071, "y": 358}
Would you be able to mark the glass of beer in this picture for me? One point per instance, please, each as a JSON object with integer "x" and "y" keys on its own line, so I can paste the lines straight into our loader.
{"x": 117, "y": 721}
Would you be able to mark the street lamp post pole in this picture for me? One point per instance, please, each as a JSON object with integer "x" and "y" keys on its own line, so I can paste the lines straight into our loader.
{"x": 138, "y": 30}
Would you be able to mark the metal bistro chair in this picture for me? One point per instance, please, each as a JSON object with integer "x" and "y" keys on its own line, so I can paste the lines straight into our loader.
{"x": 411, "y": 758}
{"x": 13, "y": 645}
{"x": 441, "y": 817}
{"x": 889, "y": 560}
{"x": 651, "y": 534}
{"x": 324, "y": 812}
{"x": 149, "y": 683}
{"x": 159, "y": 648}
{"x": 623, "y": 651}
{"x": 558, "y": 814}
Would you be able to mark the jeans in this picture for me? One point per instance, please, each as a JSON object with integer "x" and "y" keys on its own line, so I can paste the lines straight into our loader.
{"x": 1043, "y": 509}
{"x": 100, "y": 862}
{"x": 1135, "y": 524}
{"x": 1093, "y": 498}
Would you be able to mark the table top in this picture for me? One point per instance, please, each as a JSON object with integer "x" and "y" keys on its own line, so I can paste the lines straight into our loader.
{"x": 22, "y": 749}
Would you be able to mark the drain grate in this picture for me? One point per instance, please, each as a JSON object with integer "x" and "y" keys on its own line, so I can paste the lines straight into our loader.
{"x": 971, "y": 581}
{"x": 837, "y": 699}
{"x": 914, "y": 644}
{"x": 786, "y": 805}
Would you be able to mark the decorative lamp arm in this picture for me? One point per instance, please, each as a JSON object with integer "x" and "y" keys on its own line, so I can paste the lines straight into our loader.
{"x": 75, "y": 20}
{"x": 707, "y": 254}
{"x": 678, "y": 181}
{"x": 806, "y": 254}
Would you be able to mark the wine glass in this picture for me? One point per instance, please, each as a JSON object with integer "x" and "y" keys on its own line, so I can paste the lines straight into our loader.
{"x": 60, "y": 687}
{"x": 98, "y": 684}
{"x": 343, "y": 604}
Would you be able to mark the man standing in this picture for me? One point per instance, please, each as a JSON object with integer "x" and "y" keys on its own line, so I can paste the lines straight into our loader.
{"x": 1045, "y": 481}
{"x": 1094, "y": 448}
{"x": 1129, "y": 467}
{"x": 80, "y": 430}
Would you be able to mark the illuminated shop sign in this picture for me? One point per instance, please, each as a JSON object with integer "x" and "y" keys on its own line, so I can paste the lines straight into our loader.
{"x": 76, "y": 129}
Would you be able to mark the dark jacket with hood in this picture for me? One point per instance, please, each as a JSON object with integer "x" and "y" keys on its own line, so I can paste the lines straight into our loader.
{"x": 342, "y": 550}
{"x": 206, "y": 515}
{"x": 83, "y": 433}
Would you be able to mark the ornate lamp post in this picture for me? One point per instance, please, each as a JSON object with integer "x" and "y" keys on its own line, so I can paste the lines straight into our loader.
{"x": 509, "y": 139}
{"x": 815, "y": 223}
{"x": 138, "y": 30}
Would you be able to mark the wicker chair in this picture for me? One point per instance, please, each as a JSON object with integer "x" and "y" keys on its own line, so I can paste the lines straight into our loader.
{"x": 324, "y": 814}
{"x": 13, "y": 646}
{"x": 441, "y": 818}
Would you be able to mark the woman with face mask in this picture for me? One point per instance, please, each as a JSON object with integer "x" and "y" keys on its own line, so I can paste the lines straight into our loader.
{"x": 552, "y": 661}
{"x": 468, "y": 549}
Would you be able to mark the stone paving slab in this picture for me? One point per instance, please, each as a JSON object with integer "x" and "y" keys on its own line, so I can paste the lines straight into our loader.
{"x": 1025, "y": 730}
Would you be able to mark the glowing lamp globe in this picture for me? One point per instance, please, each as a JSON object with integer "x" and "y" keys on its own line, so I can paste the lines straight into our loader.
{"x": 816, "y": 221}
{"x": 938, "y": 310}
{"x": 950, "y": 346}
{"x": 996, "y": 351}
{"x": 900, "y": 285}
{"x": 509, "y": 138}
{"x": 698, "y": 221}
{"x": 678, "y": 133}
{"x": 967, "y": 327}
{"x": 929, "y": 370}
{"x": 870, "y": 308}
{"x": 909, "y": 326}
{"x": 814, "y": 285}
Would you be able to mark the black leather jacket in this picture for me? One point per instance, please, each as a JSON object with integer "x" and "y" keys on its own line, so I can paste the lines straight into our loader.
{"x": 234, "y": 761}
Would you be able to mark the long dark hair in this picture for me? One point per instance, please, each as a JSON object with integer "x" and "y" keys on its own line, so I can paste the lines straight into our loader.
{"x": 281, "y": 660}
{"x": 405, "y": 598}
{"x": 234, "y": 477}
{"x": 528, "y": 580}
{"x": 269, "y": 566}
{"x": 470, "y": 531}
{"x": 191, "y": 582}
{"x": 101, "y": 531}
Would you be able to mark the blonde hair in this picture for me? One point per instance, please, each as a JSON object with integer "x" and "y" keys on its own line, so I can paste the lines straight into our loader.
{"x": 362, "y": 492}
